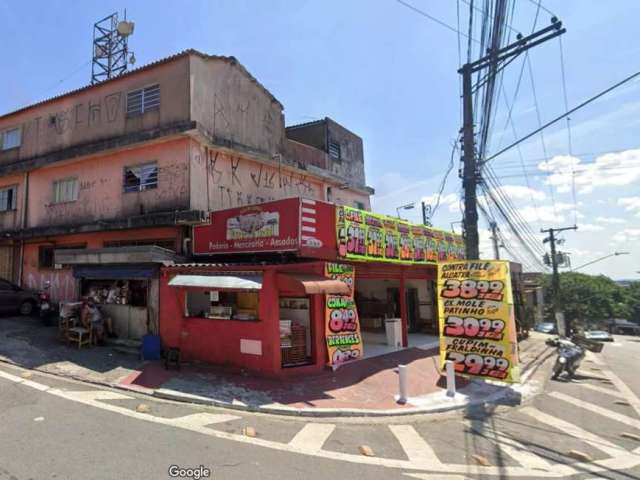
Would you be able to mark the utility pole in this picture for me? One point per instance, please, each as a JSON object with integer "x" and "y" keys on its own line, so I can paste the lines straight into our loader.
{"x": 494, "y": 239}
{"x": 555, "y": 279}
{"x": 426, "y": 214}
{"x": 495, "y": 60}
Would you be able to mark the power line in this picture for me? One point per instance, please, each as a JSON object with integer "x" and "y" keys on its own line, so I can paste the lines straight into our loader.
{"x": 566, "y": 107}
{"x": 432, "y": 18}
{"x": 556, "y": 119}
{"x": 444, "y": 179}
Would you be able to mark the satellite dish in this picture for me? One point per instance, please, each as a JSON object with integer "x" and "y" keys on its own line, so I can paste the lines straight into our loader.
{"x": 125, "y": 28}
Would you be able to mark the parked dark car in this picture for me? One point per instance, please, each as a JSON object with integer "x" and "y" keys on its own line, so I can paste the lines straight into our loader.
{"x": 624, "y": 327}
{"x": 546, "y": 327}
{"x": 599, "y": 336}
{"x": 17, "y": 299}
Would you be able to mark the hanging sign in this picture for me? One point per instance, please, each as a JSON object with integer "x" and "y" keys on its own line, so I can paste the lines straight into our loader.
{"x": 342, "y": 327}
{"x": 368, "y": 236}
{"x": 477, "y": 324}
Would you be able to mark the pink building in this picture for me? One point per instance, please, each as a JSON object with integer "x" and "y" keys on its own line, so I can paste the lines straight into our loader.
{"x": 92, "y": 175}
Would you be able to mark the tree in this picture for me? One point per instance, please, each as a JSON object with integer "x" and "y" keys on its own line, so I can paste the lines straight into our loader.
{"x": 587, "y": 298}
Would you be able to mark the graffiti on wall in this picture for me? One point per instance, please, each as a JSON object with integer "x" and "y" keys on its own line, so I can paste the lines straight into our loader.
{"x": 62, "y": 284}
{"x": 95, "y": 112}
{"x": 236, "y": 182}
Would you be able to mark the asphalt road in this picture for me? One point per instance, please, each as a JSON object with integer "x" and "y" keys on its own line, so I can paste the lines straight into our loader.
{"x": 55, "y": 428}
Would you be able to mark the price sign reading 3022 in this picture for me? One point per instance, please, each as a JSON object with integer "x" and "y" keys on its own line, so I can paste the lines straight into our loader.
{"x": 471, "y": 327}
{"x": 473, "y": 289}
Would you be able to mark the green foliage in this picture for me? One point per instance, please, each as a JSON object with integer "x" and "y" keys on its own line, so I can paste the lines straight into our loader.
{"x": 595, "y": 298}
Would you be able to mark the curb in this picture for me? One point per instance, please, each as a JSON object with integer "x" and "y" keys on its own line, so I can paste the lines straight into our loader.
{"x": 172, "y": 395}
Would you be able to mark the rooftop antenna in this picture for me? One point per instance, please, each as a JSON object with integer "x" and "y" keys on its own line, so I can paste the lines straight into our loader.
{"x": 111, "y": 54}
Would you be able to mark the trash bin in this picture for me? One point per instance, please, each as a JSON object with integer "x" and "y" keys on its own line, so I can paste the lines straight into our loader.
{"x": 393, "y": 329}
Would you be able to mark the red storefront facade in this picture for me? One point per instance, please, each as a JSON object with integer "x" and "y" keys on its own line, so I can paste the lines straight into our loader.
{"x": 267, "y": 276}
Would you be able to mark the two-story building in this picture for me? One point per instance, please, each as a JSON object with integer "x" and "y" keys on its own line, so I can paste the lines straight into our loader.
{"x": 136, "y": 160}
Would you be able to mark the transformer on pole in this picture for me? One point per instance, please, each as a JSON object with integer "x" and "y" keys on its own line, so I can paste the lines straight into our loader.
{"x": 111, "y": 54}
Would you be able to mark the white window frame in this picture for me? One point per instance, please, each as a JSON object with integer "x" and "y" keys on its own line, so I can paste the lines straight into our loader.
{"x": 14, "y": 198}
{"x": 143, "y": 100}
{"x": 61, "y": 191}
{"x": 5, "y": 134}
{"x": 149, "y": 183}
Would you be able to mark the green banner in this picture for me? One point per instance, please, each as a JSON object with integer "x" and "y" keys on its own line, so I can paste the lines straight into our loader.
{"x": 370, "y": 236}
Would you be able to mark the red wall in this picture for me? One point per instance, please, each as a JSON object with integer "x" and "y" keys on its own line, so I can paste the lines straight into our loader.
{"x": 218, "y": 341}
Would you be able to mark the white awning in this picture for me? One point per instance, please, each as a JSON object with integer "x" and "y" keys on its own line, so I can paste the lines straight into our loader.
{"x": 218, "y": 282}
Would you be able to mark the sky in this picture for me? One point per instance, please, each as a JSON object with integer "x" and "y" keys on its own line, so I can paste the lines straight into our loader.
{"x": 389, "y": 74}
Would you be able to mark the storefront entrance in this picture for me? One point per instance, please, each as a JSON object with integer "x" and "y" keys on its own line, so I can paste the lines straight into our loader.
{"x": 380, "y": 313}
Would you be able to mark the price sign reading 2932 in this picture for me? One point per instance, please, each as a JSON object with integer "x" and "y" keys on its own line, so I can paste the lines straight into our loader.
{"x": 473, "y": 290}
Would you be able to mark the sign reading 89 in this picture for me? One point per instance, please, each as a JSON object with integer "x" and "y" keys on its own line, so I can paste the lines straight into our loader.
{"x": 472, "y": 289}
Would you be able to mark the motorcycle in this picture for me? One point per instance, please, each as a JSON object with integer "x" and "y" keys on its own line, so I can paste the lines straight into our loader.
{"x": 46, "y": 308}
{"x": 570, "y": 355}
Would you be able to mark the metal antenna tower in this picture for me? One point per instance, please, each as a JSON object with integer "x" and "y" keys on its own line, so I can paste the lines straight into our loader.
{"x": 110, "y": 48}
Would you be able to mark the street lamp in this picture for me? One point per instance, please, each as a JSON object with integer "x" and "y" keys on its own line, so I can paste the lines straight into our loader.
{"x": 408, "y": 206}
{"x": 614, "y": 254}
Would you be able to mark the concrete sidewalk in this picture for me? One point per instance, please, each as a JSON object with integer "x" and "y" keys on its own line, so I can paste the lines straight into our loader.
{"x": 366, "y": 387}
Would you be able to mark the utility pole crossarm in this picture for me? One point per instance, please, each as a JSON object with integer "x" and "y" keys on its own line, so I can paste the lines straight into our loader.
{"x": 471, "y": 163}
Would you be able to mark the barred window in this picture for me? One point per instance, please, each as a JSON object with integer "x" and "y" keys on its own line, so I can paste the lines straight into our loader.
{"x": 8, "y": 198}
{"x": 65, "y": 190}
{"x": 143, "y": 100}
{"x": 140, "y": 177}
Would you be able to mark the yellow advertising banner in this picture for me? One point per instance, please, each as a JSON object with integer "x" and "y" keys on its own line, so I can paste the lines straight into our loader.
{"x": 477, "y": 324}
{"x": 342, "y": 327}
{"x": 368, "y": 236}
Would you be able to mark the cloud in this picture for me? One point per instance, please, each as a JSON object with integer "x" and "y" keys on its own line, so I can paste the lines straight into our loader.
{"x": 626, "y": 235}
{"x": 589, "y": 227}
{"x": 520, "y": 192}
{"x": 630, "y": 204}
{"x": 611, "y": 169}
{"x": 545, "y": 213}
{"x": 449, "y": 200}
{"x": 611, "y": 220}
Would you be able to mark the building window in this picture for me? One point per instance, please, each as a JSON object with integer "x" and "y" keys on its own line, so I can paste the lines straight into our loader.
{"x": 334, "y": 150}
{"x": 10, "y": 139}
{"x": 8, "y": 198}
{"x": 359, "y": 205}
{"x": 45, "y": 256}
{"x": 141, "y": 177}
{"x": 65, "y": 190}
{"x": 143, "y": 100}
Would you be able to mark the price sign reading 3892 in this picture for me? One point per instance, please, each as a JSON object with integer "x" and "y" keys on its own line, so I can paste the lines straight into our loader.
{"x": 473, "y": 289}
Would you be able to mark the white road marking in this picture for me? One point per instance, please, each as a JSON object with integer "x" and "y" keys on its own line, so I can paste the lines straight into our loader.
{"x": 99, "y": 395}
{"x": 516, "y": 450}
{"x": 634, "y": 422}
{"x": 618, "y": 383}
{"x": 201, "y": 419}
{"x": 429, "y": 476}
{"x": 608, "y": 391}
{"x": 414, "y": 445}
{"x": 312, "y": 436}
{"x": 600, "y": 443}
{"x": 623, "y": 461}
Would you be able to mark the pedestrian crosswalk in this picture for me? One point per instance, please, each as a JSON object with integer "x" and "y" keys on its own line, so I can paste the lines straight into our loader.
{"x": 518, "y": 454}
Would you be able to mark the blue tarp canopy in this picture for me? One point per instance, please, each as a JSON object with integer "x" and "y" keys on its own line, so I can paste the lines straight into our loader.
{"x": 116, "y": 272}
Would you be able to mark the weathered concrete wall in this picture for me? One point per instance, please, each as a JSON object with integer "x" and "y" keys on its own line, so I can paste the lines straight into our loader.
{"x": 341, "y": 196}
{"x": 232, "y": 106}
{"x": 101, "y": 194}
{"x": 312, "y": 133}
{"x": 351, "y": 165}
{"x": 220, "y": 180}
{"x": 99, "y": 112}
{"x": 12, "y": 219}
